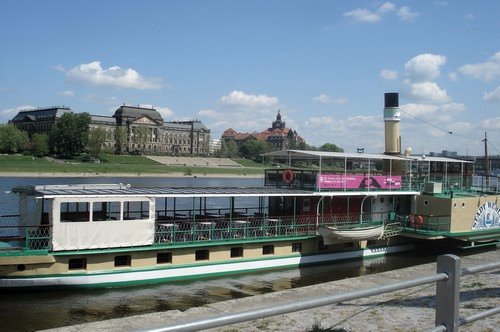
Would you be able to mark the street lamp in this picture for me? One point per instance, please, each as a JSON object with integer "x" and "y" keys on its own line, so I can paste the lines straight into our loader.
{"x": 362, "y": 202}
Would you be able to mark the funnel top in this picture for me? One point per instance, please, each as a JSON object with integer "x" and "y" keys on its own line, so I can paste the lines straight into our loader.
{"x": 391, "y": 99}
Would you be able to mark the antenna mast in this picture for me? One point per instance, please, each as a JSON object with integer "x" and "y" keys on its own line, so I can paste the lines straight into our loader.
{"x": 486, "y": 161}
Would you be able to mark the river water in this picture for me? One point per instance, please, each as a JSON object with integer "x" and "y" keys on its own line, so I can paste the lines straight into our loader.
{"x": 30, "y": 311}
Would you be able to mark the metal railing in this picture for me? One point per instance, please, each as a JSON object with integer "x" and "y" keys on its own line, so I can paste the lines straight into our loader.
{"x": 179, "y": 231}
{"x": 447, "y": 318}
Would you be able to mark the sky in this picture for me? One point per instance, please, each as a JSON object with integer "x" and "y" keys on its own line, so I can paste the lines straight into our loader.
{"x": 325, "y": 65}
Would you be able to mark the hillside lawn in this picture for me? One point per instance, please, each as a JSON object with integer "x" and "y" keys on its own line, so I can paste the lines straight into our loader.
{"x": 111, "y": 164}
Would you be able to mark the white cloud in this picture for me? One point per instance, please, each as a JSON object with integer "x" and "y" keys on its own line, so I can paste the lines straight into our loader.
{"x": 321, "y": 122}
{"x": 428, "y": 91}
{"x": 453, "y": 76}
{"x": 59, "y": 68}
{"x": 470, "y": 17}
{"x": 493, "y": 96}
{"x": 2, "y": 89}
{"x": 7, "y": 114}
{"x": 166, "y": 112}
{"x": 418, "y": 110}
{"x": 67, "y": 93}
{"x": 91, "y": 98}
{"x": 388, "y": 74}
{"x": 324, "y": 99}
{"x": 363, "y": 15}
{"x": 386, "y": 7}
{"x": 405, "y": 14}
{"x": 242, "y": 112}
{"x": 93, "y": 74}
{"x": 492, "y": 124}
{"x": 460, "y": 127}
{"x": 487, "y": 71}
{"x": 425, "y": 67}
{"x": 365, "y": 122}
{"x": 241, "y": 99}
{"x": 437, "y": 115}
{"x": 208, "y": 113}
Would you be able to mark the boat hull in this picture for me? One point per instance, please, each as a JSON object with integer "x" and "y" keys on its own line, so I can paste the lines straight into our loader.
{"x": 175, "y": 273}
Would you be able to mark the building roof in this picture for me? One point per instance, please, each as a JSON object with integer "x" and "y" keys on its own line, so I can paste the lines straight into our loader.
{"x": 41, "y": 114}
{"x": 103, "y": 119}
{"x": 197, "y": 125}
{"x": 137, "y": 112}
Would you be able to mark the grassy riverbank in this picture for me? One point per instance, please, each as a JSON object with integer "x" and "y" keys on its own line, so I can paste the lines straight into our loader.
{"x": 112, "y": 164}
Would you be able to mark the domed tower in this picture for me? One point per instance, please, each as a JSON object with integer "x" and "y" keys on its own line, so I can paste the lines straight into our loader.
{"x": 278, "y": 124}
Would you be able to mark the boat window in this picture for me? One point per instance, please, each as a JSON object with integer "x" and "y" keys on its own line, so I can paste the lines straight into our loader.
{"x": 297, "y": 247}
{"x": 463, "y": 204}
{"x": 268, "y": 249}
{"x": 75, "y": 212}
{"x": 164, "y": 258}
{"x": 454, "y": 204}
{"x": 201, "y": 255}
{"x": 104, "y": 211}
{"x": 426, "y": 202}
{"x": 236, "y": 252}
{"x": 306, "y": 207}
{"x": 135, "y": 210}
{"x": 124, "y": 260}
{"x": 77, "y": 264}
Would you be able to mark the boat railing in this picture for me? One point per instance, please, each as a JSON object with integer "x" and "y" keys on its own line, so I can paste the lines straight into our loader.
{"x": 16, "y": 236}
{"x": 183, "y": 231}
{"x": 208, "y": 214}
{"x": 353, "y": 219}
{"x": 424, "y": 223}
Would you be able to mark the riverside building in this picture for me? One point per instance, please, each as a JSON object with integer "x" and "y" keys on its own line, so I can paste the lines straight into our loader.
{"x": 144, "y": 129}
{"x": 277, "y": 135}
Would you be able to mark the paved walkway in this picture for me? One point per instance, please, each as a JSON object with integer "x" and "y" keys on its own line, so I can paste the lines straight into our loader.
{"x": 406, "y": 310}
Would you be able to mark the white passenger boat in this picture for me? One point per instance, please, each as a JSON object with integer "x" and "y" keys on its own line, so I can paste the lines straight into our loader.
{"x": 116, "y": 235}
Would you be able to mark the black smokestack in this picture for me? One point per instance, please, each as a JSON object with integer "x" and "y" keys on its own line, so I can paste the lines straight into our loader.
{"x": 391, "y": 99}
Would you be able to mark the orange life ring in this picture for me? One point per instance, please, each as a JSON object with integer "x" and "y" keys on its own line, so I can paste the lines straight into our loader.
{"x": 288, "y": 176}
{"x": 416, "y": 221}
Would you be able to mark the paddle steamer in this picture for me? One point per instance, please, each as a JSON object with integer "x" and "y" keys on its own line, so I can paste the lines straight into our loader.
{"x": 320, "y": 208}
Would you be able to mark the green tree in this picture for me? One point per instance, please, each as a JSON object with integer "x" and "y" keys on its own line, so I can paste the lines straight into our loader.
{"x": 330, "y": 147}
{"x": 12, "y": 140}
{"x": 70, "y": 134}
{"x": 254, "y": 148}
{"x": 142, "y": 135}
{"x": 97, "y": 138}
{"x": 40, "y": 145}
{"x": 294, "y": 145}
{"x": 231, "y": 149}
{"x": 120, "y": 140}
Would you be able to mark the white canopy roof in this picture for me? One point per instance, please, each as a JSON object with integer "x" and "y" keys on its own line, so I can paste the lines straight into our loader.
{"x": 304, "y": 154}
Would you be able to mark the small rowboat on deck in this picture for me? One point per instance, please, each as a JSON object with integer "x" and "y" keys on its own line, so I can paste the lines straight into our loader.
{"x": 332, "y": 234}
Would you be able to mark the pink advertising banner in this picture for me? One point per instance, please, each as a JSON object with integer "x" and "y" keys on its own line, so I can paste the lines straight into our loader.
{"x": 340, "y": 181}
